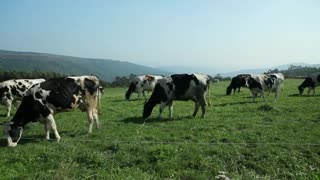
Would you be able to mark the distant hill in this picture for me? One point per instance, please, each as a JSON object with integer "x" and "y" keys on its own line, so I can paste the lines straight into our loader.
{"x": 105, "y": 69}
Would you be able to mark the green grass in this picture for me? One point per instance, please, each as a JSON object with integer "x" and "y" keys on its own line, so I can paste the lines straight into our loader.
{"x": 262, "y": 140}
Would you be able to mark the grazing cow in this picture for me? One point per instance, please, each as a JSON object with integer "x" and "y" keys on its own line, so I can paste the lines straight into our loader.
{"x": 237, "y": 82}
{"x": 265, "y": 82}
{"x": 140, "y": 84}
{"x": 311, "y": 82}
{"x": 15, "y": 89}
{"x": 181, "y": 87}
{"x": 43, "y": 100}
{"x": 215, "y": 80}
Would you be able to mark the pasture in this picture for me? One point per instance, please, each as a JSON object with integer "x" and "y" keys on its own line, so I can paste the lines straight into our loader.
{"x": 262, "y": 140}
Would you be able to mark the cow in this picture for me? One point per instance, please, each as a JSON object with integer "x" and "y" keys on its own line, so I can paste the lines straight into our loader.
{"x": 265, "y": 82}
{"x": 311, "y": 82}
{"x": 236, "y": 83}
{"x": 13, "y": 90}
{"x": 182, "y": 87}
{"x": 56, "y": 95}
{"x": 140, "y": 84}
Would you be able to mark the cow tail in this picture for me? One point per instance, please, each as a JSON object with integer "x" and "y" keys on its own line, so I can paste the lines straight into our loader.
{"x": 208, "y": 92}
{"x": 99, "y": 102}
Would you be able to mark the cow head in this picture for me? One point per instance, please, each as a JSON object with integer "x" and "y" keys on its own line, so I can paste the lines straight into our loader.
{"x": 306, "y": 83}
{"x": 147, "y": 109}
{"x": 228, "y": 91}
{"x": 156, "y": 97}
{"x": 131, "y": 89}
{"x": 13, "y": 134}
{"x": 148, "y": 79}
{"x": 301, "y": 89}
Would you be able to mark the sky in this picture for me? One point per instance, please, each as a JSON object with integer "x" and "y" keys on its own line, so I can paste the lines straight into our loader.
{"x": 225, "y": 34}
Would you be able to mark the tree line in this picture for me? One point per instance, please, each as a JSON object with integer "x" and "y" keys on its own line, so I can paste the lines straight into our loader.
{"x": 296, "y": 71}
{"x": 124, "y": 81}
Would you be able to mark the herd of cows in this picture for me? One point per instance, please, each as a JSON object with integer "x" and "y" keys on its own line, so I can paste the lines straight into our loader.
{"x": 41, "y": 99}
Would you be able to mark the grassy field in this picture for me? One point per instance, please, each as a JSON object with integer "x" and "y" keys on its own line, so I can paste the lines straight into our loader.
{"x": 246, "y": 140}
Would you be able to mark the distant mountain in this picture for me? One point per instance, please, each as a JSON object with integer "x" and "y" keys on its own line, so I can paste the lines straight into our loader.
{"x": 105, "y": 69}
{"x": 262, "y": 70}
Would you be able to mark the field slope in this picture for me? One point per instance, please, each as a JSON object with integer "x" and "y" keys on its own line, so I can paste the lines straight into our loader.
{"x": 246, "y": 140}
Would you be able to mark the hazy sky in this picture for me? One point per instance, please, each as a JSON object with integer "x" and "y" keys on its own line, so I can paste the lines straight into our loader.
{"x": 221, "y": 33}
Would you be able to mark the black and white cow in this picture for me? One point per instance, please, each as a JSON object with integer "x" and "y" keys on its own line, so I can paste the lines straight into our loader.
{"x": 15, "y": 89}
{"x": 311, "y": 82}
{"x": 43, "y": 100}
{"x": 140, "y": 84}
{"x": 181, "y": 87}
{"x": 237, "y": 82}
{"x": 265, "y": 82}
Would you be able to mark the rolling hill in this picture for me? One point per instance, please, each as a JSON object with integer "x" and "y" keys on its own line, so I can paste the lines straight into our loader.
{"x": 106, "y": 69}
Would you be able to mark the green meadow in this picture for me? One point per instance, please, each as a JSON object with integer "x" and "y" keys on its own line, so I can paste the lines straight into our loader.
{"x": 262, "y": 140}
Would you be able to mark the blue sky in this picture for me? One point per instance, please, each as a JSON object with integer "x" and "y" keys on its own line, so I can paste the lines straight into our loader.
{"x": 226, "y": 34}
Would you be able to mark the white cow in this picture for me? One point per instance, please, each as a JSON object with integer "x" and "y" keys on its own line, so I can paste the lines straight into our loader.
{"x": 140, "y": 84}
{"x": 265, "y": 82}
{"x": 180, "y": 87}
{"x": 45, "y": 99}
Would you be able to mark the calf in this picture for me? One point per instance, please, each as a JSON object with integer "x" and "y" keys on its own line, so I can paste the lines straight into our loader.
{"x": 181, "y": 87}
{"x": 311, "y": 82}
{"x": 140, "y": 84}
{"x": 43, "y": 100}
{"x": 13, "y": 90}
{"x": 265, "y": 82}
{"x": 237, "y": 82}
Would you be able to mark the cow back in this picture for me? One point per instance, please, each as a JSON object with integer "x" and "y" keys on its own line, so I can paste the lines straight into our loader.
{"x": 63, "y": 92}
{"x": 182, "y": 83}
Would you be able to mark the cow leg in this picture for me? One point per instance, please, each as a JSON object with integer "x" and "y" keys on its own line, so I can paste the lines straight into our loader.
{"x": 47, "y": 128}
{"x": 144, "y": 95}
{"x": 276, "y": 94}
{"x": 196, "y": 108}
{"x": 51, "y": 124}
{"x": 262, "y": 95}
{"x": 309, "y": 89}
{"x": 203, "y": 107}
{"x": 255, "y": 94}
{"x": 206, "y": 99}
{"x": 90, "y": 119}
{"x": 314, "y": 91}
{"x": 9, "y": 105}
{"x": 162, "y": 106}
{"x": 96, "y": 118}
{"x": 170, "y": 109}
